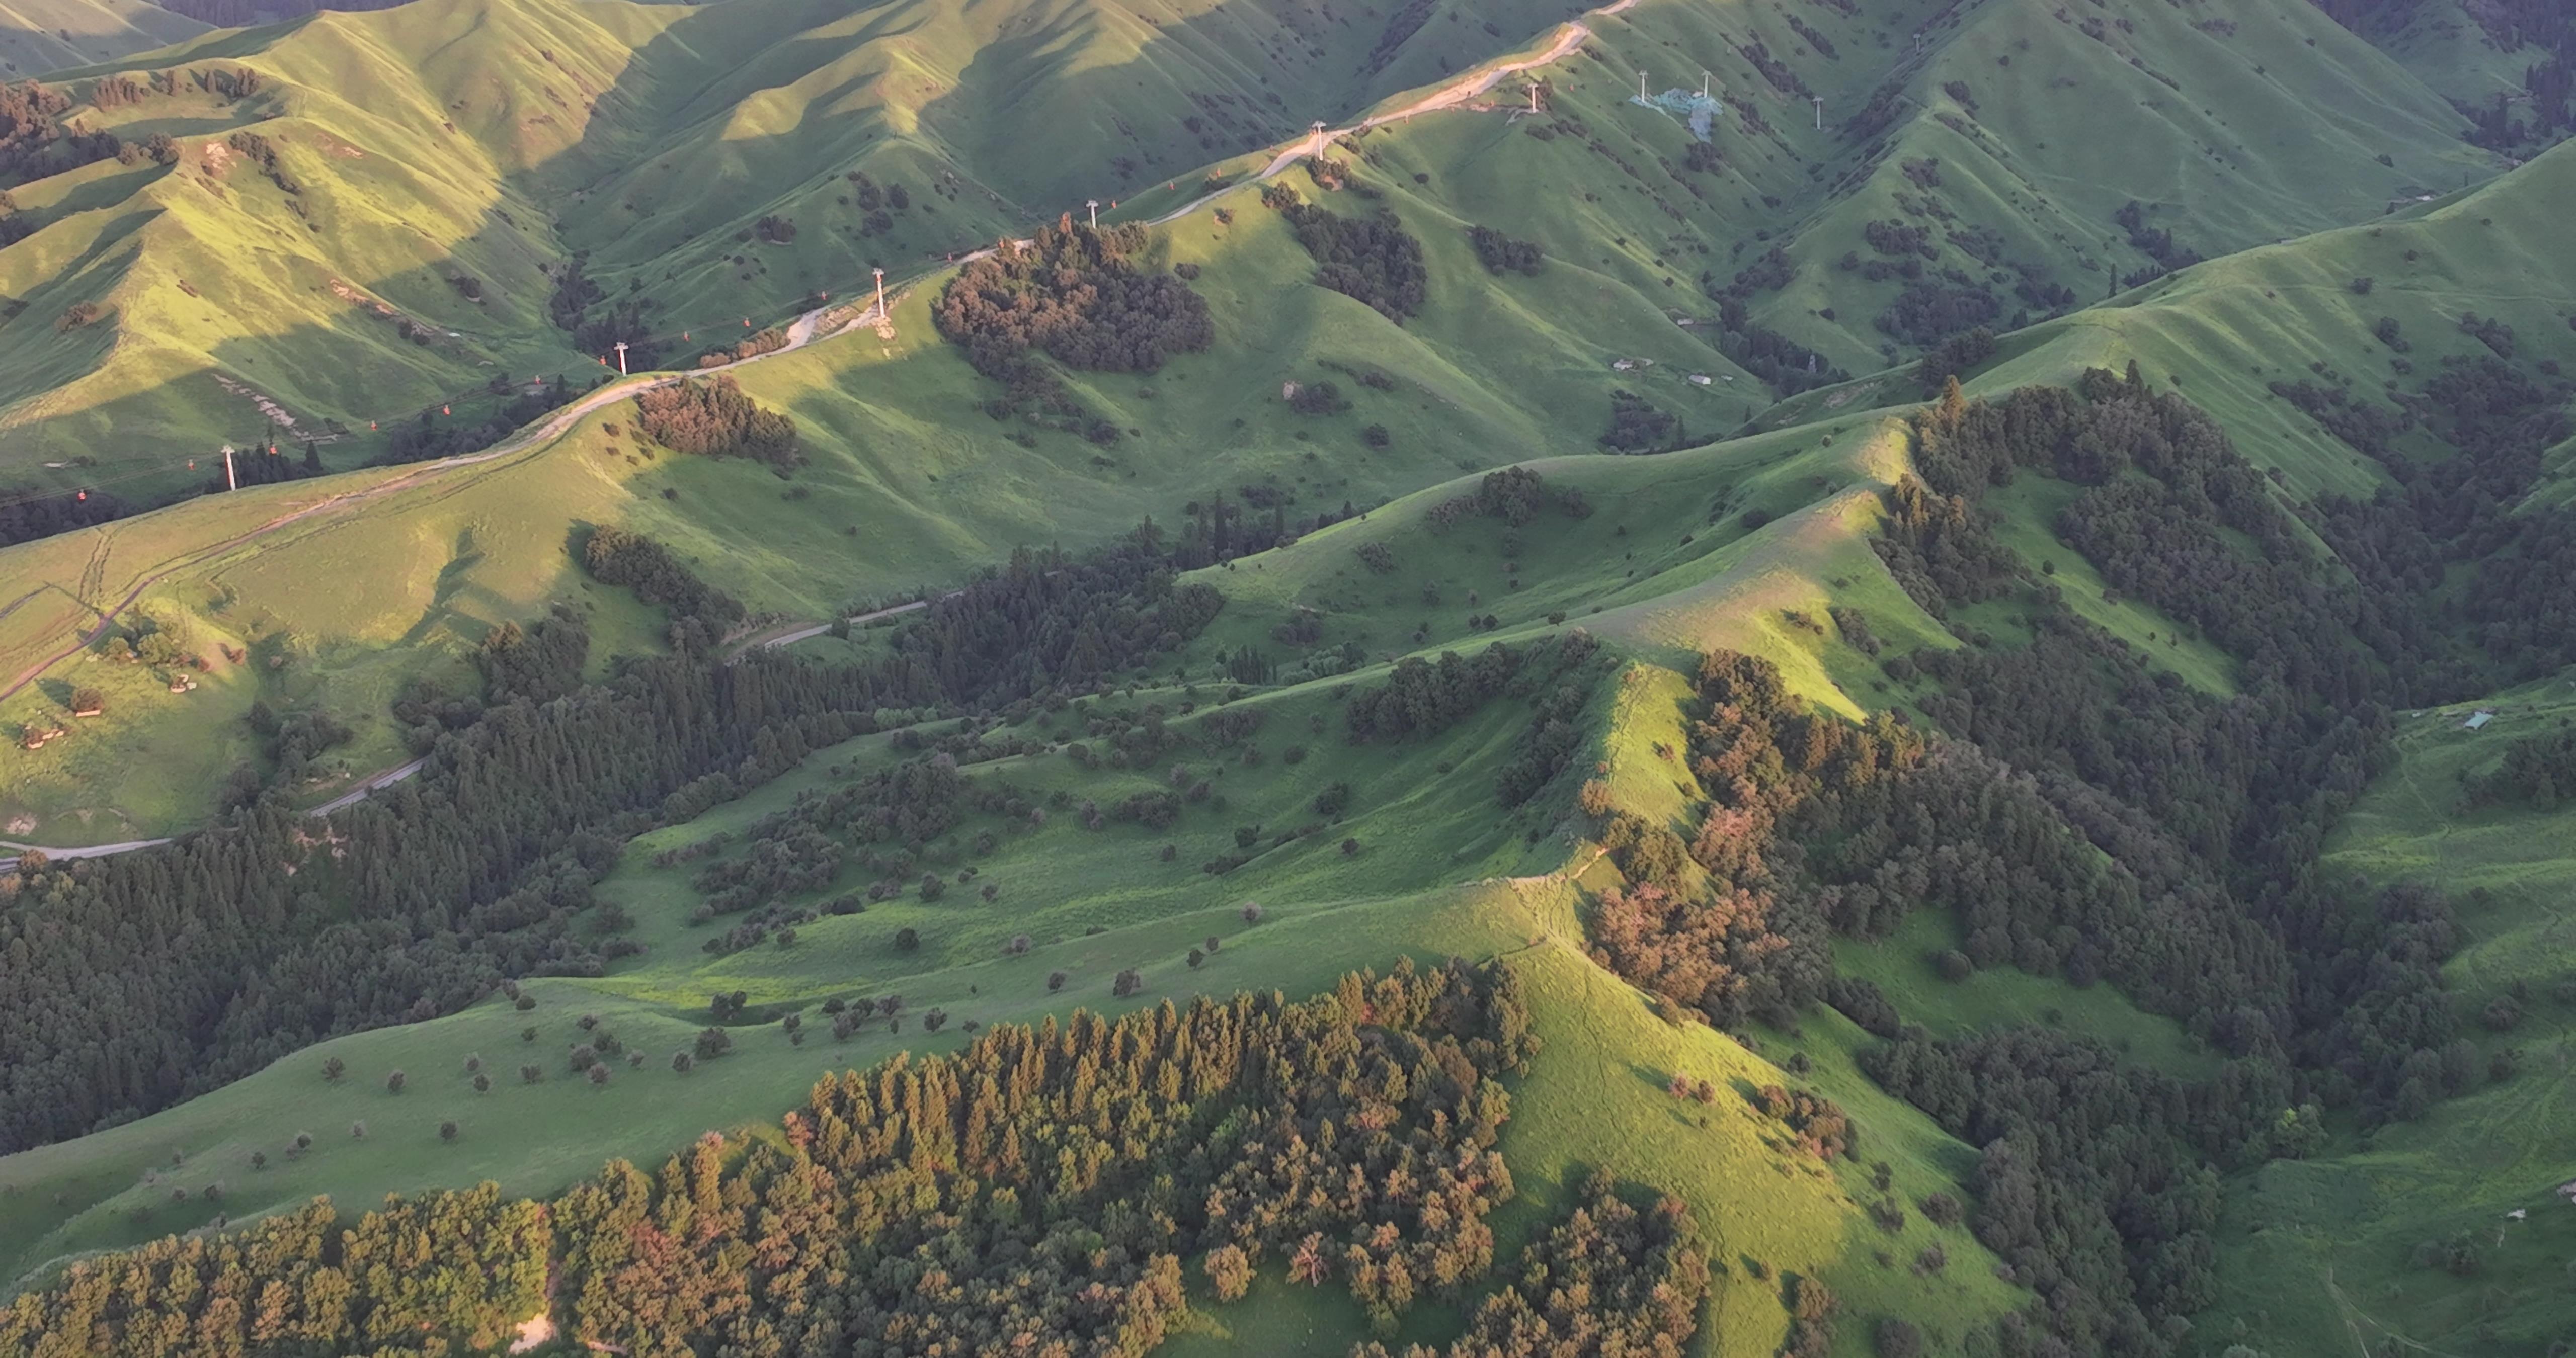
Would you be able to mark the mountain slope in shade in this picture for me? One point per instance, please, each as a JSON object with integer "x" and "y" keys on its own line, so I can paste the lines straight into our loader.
{"x": 37, "y": 36}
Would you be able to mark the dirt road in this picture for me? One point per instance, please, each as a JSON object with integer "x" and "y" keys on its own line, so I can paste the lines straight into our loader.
{"x": 359, "y": 793}
{"x": 10, "y": 863}
{"x": 1569, "y": 39}
{"x": 804, "y": 330}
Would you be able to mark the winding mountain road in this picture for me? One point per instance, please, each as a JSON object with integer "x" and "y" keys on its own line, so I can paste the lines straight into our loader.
{"x": 804, "y": 330}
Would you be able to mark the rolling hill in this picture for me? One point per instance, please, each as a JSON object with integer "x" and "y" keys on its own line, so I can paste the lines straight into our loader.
{"x": 37, "y": 36}
{"x": 2005, "y": 863}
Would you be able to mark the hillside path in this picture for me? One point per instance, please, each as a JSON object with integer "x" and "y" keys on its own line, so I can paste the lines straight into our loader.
{"x": 805, "y": 329}
{"x": 1568, "y": 40}
{"x": 750, "y": 644}
{"x": 376, "y": 783}
{"x": 10, "y": 863}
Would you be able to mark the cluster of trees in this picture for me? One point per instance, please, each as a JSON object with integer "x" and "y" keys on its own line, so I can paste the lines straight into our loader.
{"x": 1370, "y": 259}
{"x": 2463, "y": 518}
{"x": 1933, "y": 309}
{"x": 616, "y": 556}
{"x": 27, "y": 514}
{"x": 1781, "y": 363}
{"x": 144, "y": 978}
{"x": 262, "y": 152}
{"x": 1514, "y": 495}
{"x": 581, "y": 308}
{"x": 2548, "y": 93}
{"x": 541, "y": 662}
{"x": 1423, "y": 698}
{"x": 1705, "y": 924}
{"x": 1501, "y": 253}
{"x": 1074, "y": 294}
{"x": 2539, "y": 771}
{"x": 1955, "y": 358}
{"x": 1638, "y": 426}
{"x": 1608, "y": 1279}
{"x": 1036, "y": 1192}
{"x": 714, "y": 419}
{"x": 2155, "y": 242}
{"x": 413, "y": 1276}
{"x": 889, "y": 814}
{"x": 2247, "y": 784}
{"x": 2096, "y": 1181}
{"x": 35, "y": 142}
{"x": 1218, "y": 529}
{"x": 2207, "y": 810}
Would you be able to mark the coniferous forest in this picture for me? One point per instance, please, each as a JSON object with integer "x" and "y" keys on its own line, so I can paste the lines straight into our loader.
{"x": 1039, "y": 1192}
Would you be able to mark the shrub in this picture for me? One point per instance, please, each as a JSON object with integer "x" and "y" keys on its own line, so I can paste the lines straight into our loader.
{"x": 1229, "y": 1272}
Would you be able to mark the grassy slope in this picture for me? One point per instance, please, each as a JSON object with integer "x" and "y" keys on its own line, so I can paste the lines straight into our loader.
{"x": 1491, "y": 374}
{"x": 2448, "y": 49}
{"x": 2322, "y": 1250}
{"x": 491, "y": 139}
{"x": 2223, "y": 331}
{"x": 1594, "y": 1099}
{"x": 37, "y": 36}
{"x": 908, "y": 487}
{"x": 1438, "y": 873}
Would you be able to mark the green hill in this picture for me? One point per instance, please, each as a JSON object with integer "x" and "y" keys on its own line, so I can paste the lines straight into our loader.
{"x": 37, "y": 36}
{"x": 437, "y": 168}
{"x": 1989, "y": 860}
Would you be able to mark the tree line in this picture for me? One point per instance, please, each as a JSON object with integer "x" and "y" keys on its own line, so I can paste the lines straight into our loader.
{"x": 144, "y": 978}
{"x": 2087, "y": 815}
{"x": 1041, "y": 1191}
{"x": 426, "y": 437}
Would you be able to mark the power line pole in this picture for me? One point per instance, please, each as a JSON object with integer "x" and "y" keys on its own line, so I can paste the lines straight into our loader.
{"x": 1641, "y": 86}
{"x": 1820, "y": 111}
{"x": 621, "y": 358}
{"x": 231, "y": 482}
{"x": 1319, "y": 139}
{"x": 881, "y": 306}
{"x": 1094, "y": 205}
